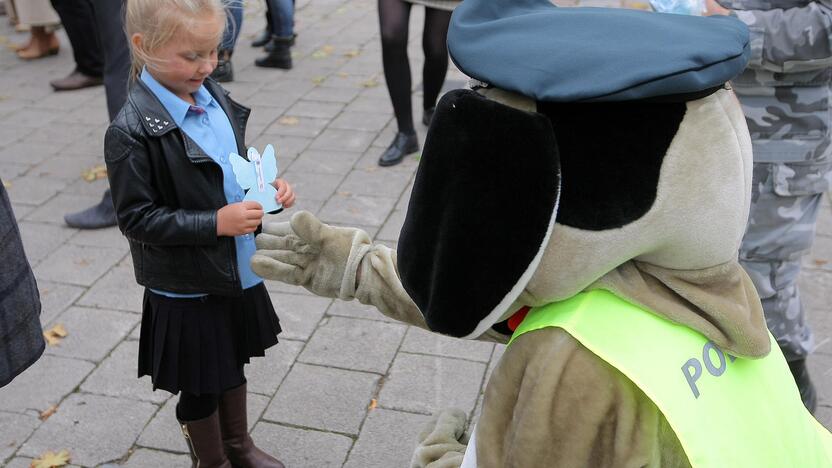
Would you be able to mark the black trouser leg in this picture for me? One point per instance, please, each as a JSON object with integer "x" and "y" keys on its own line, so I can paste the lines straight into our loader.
{"x": 78, "y": 19}
{"x": 434, "y": 43}
{"x": 393, "y": 19}
{"x": 109, "y": 18}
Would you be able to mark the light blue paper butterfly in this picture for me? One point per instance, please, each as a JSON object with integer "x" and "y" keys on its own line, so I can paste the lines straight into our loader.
{"x": 257, "y": 175}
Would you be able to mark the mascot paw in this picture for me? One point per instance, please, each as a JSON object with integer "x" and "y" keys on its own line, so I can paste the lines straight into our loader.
{"x": 306, "y": 252}
{"x": 441, "y": 442}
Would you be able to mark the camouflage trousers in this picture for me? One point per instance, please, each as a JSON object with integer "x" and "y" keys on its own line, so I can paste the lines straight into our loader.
{"x": 781, "y": 228}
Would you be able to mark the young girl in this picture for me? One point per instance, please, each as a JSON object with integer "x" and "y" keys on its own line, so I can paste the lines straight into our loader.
{"x": 191, "y": 235}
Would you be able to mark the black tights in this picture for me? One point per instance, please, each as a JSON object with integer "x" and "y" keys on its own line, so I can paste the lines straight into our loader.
{"x": 394, "y": 16}
{"x": 193, "y": 407}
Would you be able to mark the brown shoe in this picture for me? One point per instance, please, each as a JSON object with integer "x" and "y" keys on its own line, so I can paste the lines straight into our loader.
{"x": 205, "y": 442}
{"x": 238, "y": 444}
{"x": 42, "y": 44}
{"x": 76, "y": 80}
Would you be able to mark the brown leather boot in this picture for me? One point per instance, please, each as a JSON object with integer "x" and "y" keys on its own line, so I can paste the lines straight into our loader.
{"x": 205, "y": 442}
{"x": 238, "y": 444}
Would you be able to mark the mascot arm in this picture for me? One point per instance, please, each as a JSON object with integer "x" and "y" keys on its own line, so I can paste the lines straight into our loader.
{"x": 334, "y": 262}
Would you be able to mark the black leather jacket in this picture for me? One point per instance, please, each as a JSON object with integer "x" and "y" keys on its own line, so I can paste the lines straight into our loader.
{"x": 167, "y": 191}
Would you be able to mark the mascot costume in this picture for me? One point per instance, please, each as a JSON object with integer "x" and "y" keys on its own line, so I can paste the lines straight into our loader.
{"x": 584, "y": 202}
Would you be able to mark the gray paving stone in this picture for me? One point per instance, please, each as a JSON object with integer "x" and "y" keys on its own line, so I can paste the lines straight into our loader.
{"x": 264, "y": 374}
{"x": 820, "y": 256}
{"x": 28, "y": 153}
{"x": 263, "y": 116}
{"x": 91, "y": 333}
{"x": 20, "y": 211}
{"x": 54, "y": 210}
{"x": 356, "y": 209}
{"x": 29, "y": 118}
{"x": 426, "y": 384}
{"x": 109, "y": 237}
{"x": 375, "y": 183}
{"x": 357, "y": 344}
{"x": 821, "y": 371}
{"x": 163, "y": 431}
{"x": 299, "y": 315}
{"x": 55, "y": 298}
{"x": 302, "y": 448}
{"x": 355, "y": 309}
{"x": 317, "y": 109}
{"x": 304, "y": 127}
{"x": 117, "y": 289}
{"x": 14, "y": 430}
{"x": 75, "y": 264}
{"x": 28, "y": 190}
{"x": 313, "y": 186}
{"x": 393, "y": 226}
{"x": 65, "y": 167}
{"x": 326, "y": 162}
{"x": 144, "y": 458}
{"x": 816, "y": 294}
{"x": 364, "y": 121}
{"x": 343, "y": 140}
{"x": 424, "y": 342}
{"x": 44, "y": 384}
{"x": 39, "y": 239}
{"x": 95, "y": 188}
{"x": 19, "y": 462}
{"x": 9, "y": 170}
{"x": 98, "y": 429}
{"x": 379, "y": 105}
{"x": 369, "y": 161}
{"x": 116, "y": 377}
{"x": 322, "y": 398}
{"x": 387, "y": 439}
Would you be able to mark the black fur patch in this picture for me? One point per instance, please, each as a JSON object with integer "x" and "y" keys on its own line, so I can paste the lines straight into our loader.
{"x": 482, "y": 201}
{"x": 610, "y": 155}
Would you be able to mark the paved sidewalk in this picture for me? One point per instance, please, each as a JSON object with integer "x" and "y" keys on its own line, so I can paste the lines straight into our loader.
{"x": 345, "y": 387}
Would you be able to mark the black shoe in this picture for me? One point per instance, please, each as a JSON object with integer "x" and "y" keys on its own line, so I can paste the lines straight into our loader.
{"x": 224, "y": 73}
{"x": 270, "y": 45}
{"x": 278, "y": 55}
{"x": 428, "y": 116}
{"x": 403, "y": 144}
{"x": 804, "y": 384}
{"x": 263, "y": 38}
{"x": 99, "y": 216}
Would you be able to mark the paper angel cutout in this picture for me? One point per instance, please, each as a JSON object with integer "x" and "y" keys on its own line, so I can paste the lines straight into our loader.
{"x": 256, "y": 175}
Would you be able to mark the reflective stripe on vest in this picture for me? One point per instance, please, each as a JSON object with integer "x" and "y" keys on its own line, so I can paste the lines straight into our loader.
{"x": 726, "y": 411}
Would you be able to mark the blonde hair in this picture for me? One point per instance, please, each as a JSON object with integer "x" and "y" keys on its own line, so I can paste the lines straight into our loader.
{"x": 160, "y": 21}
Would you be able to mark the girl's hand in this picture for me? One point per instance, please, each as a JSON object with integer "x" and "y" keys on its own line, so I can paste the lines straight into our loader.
{"x": 237, "y": 219}
{"x": 285, "y": 195}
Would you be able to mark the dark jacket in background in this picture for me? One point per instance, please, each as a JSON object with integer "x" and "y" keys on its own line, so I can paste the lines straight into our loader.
{"x": 21, "y": 337}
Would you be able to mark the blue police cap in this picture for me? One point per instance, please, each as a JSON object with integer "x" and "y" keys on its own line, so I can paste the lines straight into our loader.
{"x": 594, "y": 54}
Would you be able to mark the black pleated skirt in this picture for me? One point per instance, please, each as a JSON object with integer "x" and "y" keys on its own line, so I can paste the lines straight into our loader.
{"x": 200, "y": 345}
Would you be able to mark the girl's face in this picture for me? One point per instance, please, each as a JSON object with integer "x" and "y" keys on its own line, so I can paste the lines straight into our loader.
{"x": 187, "y": 59}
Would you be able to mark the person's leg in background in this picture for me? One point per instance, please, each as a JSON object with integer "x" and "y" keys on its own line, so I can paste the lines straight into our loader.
{"x": 224, "y": 72}
{"x": 781, "y": 229}
{"x": 42, "y": 21}
{"x": 434, "y": 44}
{"x": 109, "y": 18}
{"x": 394, "y": 16}
{"x": 78, "y": 19}
{"x": 278, "y": 50}
{"x": 266, "y": 34}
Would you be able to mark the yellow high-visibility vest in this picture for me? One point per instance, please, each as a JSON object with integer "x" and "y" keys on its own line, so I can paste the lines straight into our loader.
{"x": 727, "y": 412}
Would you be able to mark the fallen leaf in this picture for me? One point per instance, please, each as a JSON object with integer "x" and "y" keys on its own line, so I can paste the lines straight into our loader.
{"x": 55, "y": 334}
{"x": 51, "y": 460}
{"x": 7, "y": 184}
{"x": 323, "y": 52}
{"x": 318, "y": 79}
{"x": 371, "y": 83}
{"x": 289, "y": 121}
{"x": 94, "y": 173}
{"x": 342, "y": 74}
{"x": 44, "y": 415}
{"x": 373, "y": 404}
{"x": 352, "y": 53}
{"x": 82, "y": 262}
{"x": 820, "y": 262}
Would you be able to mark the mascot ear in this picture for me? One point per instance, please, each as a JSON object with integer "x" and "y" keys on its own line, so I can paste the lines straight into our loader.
{"x": 482, "y": 209}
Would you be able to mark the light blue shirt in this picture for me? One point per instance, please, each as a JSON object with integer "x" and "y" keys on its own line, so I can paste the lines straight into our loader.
{"x": 208, "y": 126}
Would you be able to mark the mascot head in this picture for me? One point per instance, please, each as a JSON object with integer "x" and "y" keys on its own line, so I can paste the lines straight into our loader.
{"x": 598, "y": 149}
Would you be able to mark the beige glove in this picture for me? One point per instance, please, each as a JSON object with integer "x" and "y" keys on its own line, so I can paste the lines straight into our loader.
{"x": 306, "y": 252}
{"x": 442, "y": 442}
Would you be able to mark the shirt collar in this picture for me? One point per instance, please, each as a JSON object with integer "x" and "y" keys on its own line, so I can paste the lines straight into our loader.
{"x": 177, "y": 107}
